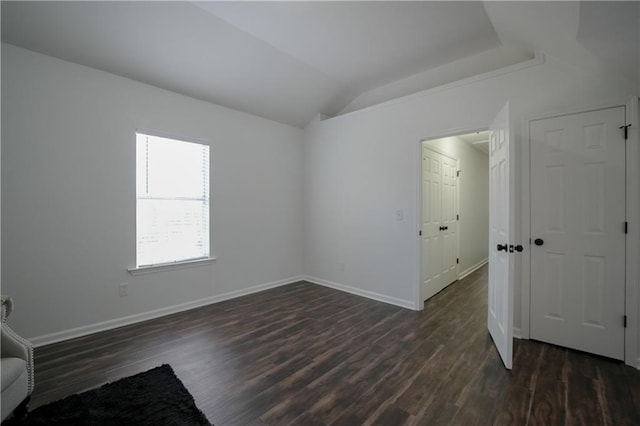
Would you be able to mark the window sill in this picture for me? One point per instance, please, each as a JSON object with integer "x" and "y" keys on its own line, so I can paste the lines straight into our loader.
{"x": 170, "y": 266}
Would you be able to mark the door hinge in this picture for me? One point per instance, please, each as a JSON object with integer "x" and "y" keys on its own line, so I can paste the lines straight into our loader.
{"x": 458, "y": 172}
{"x": 457, "y": 260}
{"x": 624, "y": 321}
{"x": 626, "y": 131}
{"x": 457, "y": 217}
{"x": 626, "y": 227}
{"x": 420, "y": 233}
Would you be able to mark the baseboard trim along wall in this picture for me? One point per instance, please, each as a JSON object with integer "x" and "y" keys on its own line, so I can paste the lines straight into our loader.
{"x": 73, "y": 333}
{"x": 517, "y": 333}
{"x": 473, "y": 268}
{"x": 60, "y": 336}
{"x": 364, "y": 293}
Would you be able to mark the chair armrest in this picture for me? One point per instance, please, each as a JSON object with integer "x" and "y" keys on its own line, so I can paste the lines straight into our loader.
{"x": 12, "y": 345}
{"x": 6, "y": 303}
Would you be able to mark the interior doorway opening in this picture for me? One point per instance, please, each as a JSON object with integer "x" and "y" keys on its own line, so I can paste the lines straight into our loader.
{"x": 455, "y": 209}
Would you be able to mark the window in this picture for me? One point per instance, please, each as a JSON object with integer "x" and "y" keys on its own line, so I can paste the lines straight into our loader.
{"x": 172, "y": 201}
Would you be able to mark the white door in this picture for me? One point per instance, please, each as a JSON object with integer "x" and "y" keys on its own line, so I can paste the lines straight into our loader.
{"x": 431, "y": 222}
{"x": 449, "y": 220}
{"x": 577, "y": 231}
{"x": 501, "y": 212}
{"x": 439, "y": 222}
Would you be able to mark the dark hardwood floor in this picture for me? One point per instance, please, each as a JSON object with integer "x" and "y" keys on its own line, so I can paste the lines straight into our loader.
{"x": 304, "y": 354}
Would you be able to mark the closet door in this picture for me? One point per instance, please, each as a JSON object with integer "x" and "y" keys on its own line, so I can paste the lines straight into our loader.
{"x": 449, "y": 221}
{"x": 439, "y": 221}
{"x": 577, "y": 225}
{"x": 432, "y": 236}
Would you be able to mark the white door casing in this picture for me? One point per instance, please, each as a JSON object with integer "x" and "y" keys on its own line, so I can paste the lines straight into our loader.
{"x": 501, "y": 231}
{"x": 577, "y": 215}
{"x": 439, "y": 222}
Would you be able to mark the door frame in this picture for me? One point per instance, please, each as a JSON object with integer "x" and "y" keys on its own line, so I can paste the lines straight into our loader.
{"x": 632, "y": 245}
{"x": 418, "y": 301}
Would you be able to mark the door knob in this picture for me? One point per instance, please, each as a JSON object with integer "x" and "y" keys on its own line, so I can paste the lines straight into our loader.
{"x": 502, "y": 247}
{"x": 518, "y": 248}
{"x": 538, "y": 241}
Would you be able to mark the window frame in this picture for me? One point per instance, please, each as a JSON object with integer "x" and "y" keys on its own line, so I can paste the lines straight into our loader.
{"x": 180, "y": 264}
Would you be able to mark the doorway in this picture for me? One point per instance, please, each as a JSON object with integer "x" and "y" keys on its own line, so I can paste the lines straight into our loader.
{"x": 455, "y": 209}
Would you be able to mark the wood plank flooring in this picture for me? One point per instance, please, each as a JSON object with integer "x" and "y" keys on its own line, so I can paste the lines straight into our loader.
{"x": 303, "y": 354}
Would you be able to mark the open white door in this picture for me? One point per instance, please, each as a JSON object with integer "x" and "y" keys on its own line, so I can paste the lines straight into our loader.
{"x": 501, "y": 212}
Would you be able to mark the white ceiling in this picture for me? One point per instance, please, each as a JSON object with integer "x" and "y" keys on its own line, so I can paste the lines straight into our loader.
{"x": 365, "y": 44}
{"x": 478, "y": 140}
{"x": 289, "y": 61}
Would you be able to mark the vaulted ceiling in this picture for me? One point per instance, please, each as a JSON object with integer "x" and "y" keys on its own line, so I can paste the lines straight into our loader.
{"x": 289, "y": 61}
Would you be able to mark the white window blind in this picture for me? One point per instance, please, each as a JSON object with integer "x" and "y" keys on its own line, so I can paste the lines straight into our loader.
{"x": 172, "y": 200}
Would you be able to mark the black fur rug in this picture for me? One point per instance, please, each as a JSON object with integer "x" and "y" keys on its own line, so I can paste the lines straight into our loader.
{"x": 155, "y": 397}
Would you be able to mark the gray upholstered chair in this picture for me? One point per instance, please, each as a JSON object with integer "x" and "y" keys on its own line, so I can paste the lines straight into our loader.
{"x": 16, "y": 365}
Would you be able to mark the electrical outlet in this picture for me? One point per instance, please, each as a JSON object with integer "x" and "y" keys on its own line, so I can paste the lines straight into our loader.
{"x": 124, "y": 289}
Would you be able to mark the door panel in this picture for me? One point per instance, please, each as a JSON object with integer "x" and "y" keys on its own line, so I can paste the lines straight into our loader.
{"x": 431, "y": 223}
{"x": 449, "y": 220}
{"x": 501, "y": 211}
{"x": 439, "y": 222}
{"x": 578, "y": 211}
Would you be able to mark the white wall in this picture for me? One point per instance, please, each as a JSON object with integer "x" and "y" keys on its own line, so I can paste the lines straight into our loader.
{"x": 361, "y": 167}
{"x": 469, "y": 66}
{"x": 68, "y": 195}
{"x": 327, "y": 209}
{"x": 473, "y": 190}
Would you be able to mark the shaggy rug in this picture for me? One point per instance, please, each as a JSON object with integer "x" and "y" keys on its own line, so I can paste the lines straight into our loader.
{"x": 155, "y": 397}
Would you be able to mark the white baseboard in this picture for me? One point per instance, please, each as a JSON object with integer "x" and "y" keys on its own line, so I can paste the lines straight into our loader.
{"x": 60, "y": 336}
{"x": 364, "y": 293}
{"x": 517, "y": 333}
{"x": 473, "y": 268}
